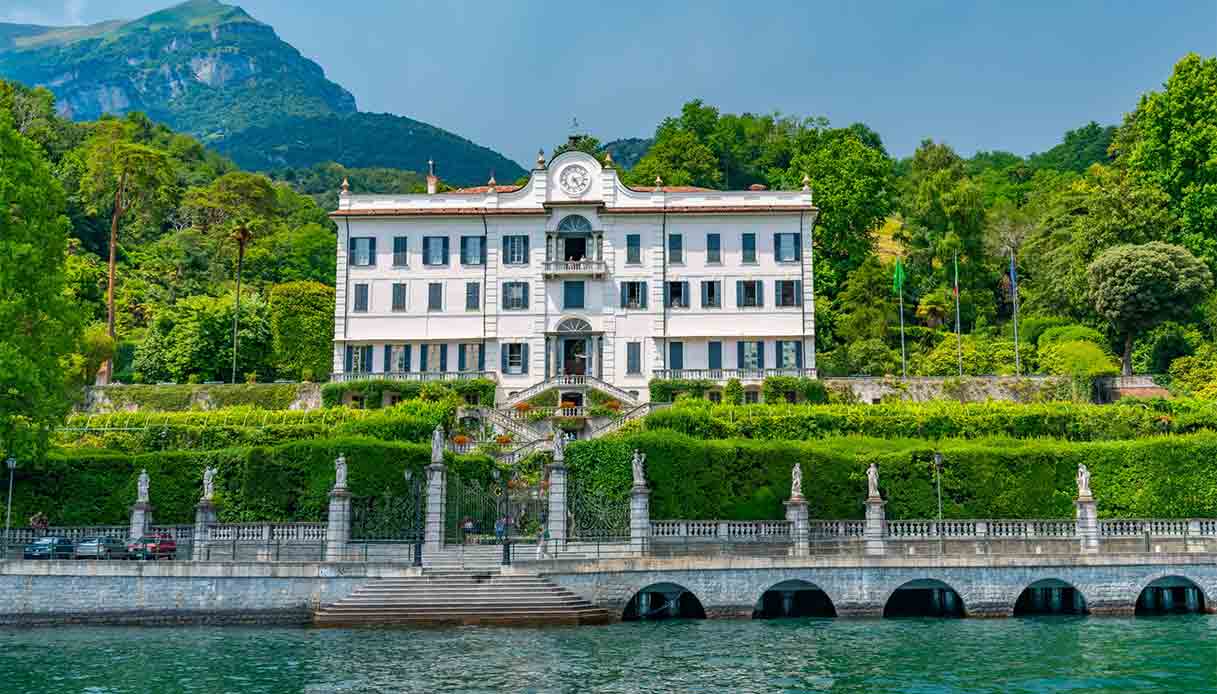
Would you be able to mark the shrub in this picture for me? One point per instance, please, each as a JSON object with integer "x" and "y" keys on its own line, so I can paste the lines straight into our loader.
{"x": 176, "y": 398}
{"x": 667, "y": 389}
{"x": 302, "y": 329}
{"x": 872, "y": 358}
{"x": 774, "y": 389}
{"x": 1031, "y": 327}
{"x": 1070, "y": 333}
{"x": 372, "y": 391}
{"x": 733, "y": 392}
{"x": 981, "y": 356}
{"x": 1156, "y": 350}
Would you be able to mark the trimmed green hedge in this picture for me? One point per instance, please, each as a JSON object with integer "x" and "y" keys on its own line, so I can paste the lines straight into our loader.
{"x": 287, "y": 483}
{"x": 176, "y": 398}
{"x": 691, "y": 478}
{"x": 939, "y": 419}
{"x": 373, "y": 389}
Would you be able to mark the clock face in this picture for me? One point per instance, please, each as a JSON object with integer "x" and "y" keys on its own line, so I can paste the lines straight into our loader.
{"x": 574, "y": 179}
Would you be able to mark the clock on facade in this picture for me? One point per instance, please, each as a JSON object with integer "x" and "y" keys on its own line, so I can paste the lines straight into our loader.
{"x": 574, "y": 179}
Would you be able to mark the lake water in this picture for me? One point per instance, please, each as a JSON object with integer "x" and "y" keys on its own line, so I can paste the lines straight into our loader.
{"x": 1010, "y": 656}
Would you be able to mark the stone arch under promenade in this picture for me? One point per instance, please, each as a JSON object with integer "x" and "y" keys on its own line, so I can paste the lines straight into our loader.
{"x": 1050, "y": 596}
{"x": 1165, "y": 579}
{"x": 796, "y": 597}
{"x": 926, "y": 597}
{"x": 663, "y": 600}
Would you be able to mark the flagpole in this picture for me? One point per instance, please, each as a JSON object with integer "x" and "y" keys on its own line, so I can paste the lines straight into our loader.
{"x": 1018, "y": 370}
{"x": 958, "y": 334}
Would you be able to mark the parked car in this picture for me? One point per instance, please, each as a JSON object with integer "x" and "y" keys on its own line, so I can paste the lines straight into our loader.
{"x": 158, "y": 546}
{"x": 49, "y": 548}
{"x": 101, "y": 548}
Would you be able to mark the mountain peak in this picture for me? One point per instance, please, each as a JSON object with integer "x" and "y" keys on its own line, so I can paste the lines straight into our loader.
{"x": 190, "y": 15}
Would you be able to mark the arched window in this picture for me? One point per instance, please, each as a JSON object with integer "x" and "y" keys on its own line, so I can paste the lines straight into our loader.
{"x": 575, "y": 224}
{"x": 574, "y": 325}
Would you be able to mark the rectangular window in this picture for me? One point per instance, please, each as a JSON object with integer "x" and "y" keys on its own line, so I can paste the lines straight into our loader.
{"x": 473, "y": 296}
{"x": 515, "y": 296}
{"x": 401, "y": 358}
{"x": 788, "y": 292}
{"x": 752, "y": 397}
{"x": 634, "y": 295}
{"x": 361, "y": 298}
{"x": 633, "y": 357}
{"x": 716, "y": 355}
{"x": 786, "y": 248}
{"x": 515, "y": 250}
{"x": 750, "y": 355}
{"x": 363, "y": 251}
{"x": 572, "y": 294}
{"x": 473, "y": 250}
{"x": 749, "y": 294}
{"x": 711, "y": 294}
{"x": 714, "y": 251}
{"x": 401, "y": 255}
{"x": 515, "y": 358}
{"x": 435, "y": 296}
{"x": 677, "y": 295}
{"x": 468, "y": 357}
{"x": 676, "y": 249}
{"x": 676, "y": 356}
{"x": 715, "y": 396}
{"x": 749, "y": 245}
{"x": 359, "y": 359}
{"x": 435, "y": 250}
{"x": 399, "y": 296}
{"x": 788, "y": 354}
{"x": 633, "y": 249}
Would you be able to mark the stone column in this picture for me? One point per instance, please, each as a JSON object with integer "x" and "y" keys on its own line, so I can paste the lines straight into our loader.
{"x": 796, "y": 513}
{"x": 338, "y": 529}
{"x": 876, "y": 525}
{"x": 640, "y": 520}
{"x": 437, "y": 497}
{"x": 141, "y": 519}
{"x": 556, "y": 523}
{"x": 204, "y": 517}
{"x": 1088, "y": 524}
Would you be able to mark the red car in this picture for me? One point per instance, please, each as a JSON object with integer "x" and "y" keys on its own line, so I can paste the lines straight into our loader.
{"x": 158, "y": 546}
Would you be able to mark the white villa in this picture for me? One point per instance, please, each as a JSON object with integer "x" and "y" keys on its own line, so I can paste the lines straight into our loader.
{"x": 575, "y": 281}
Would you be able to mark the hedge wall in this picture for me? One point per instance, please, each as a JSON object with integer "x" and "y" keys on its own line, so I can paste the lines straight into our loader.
{"x": 691, "y": 478}
{"x": 261, "y": 483}
{"x": 940, "y": 419}
{"x": 373, "y": 389}
{"x": 172, "y": 398}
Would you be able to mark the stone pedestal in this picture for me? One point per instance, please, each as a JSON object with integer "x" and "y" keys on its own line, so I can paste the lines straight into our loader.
{"x": 141, "y": 519}
{"x": 338, "y": 529}
{"x": 640, "y": 520}
{"x": 204, "y": 517}
{"x": 796, "y": 513}
{"x": 437, "y": 499}
{"x": 1088, "y": 524}
{"x": 556, "y": 521}
{"x": 876, "y": 525}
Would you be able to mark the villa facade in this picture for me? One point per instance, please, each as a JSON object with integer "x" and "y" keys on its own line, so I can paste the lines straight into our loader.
{"x": 575, "y": 278}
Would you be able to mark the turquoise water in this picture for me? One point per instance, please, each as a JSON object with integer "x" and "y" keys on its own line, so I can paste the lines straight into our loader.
{"x": 1175, "y": 654}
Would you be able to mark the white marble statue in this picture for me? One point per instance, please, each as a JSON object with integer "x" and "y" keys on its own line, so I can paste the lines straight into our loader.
{"x": 1083, "y": 482}
{"x": 796, "y": 482}
{"x": 437, "y": 445}
{"x": 637, "y": 463}
{"x": 143, "y": 487}
{"x": 559, "y": 448}
{"x": 340, "y": 472}
{"x": 209, "y": 483}
{"x": 872, "y": 481}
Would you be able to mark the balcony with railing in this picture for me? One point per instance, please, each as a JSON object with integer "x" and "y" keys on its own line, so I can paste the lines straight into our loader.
{"x": 575, "y": 268}
{"x": 420, "y": 376}
{"x": 724, "y": 375}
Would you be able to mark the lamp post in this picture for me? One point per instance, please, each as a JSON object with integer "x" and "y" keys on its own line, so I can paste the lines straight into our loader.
{"x": 419, "y": 519}
{"x": 505, "y": 517}
{"x": 938, "y": 483}
{"x": 8, "y": 516}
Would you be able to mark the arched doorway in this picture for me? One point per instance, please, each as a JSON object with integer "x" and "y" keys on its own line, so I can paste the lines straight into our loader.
{"x": 575, "y": 348}
{"x": 663, "y": 601}
{"x": 1170, "y": 595}
{"x": 924, "y": 597}
{"x": 795, "y": 598}
{"x": 1050, "y": 596}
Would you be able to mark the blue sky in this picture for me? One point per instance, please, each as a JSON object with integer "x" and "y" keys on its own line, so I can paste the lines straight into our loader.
{"x": 511, "y": 75}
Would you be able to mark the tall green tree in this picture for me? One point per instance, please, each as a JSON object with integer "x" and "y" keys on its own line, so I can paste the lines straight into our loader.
{"x": 302, "y": 329}
{"x": 1136, "y": 287}
{"x": 41, "y": 324}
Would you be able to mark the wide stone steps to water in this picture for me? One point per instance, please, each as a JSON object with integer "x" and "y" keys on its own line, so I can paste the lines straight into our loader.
{"x": 440, "y": 598}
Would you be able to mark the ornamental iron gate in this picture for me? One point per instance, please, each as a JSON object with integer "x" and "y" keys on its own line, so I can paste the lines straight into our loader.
{"x": 491, "y": 512}
{"x": 389, "y": 517}
{"x": 595, "y": 515}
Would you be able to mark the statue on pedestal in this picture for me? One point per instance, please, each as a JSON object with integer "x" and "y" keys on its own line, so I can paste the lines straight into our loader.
{"x": 639, "y": 459}
{"x": 340, "y": 472}
{"x": 796, "y": 482}
{"x": 1083, "y": 482}
{"x": 872, "y": 481}
{"x": 437, "y": 445}
{"x": 209, "y": 483}
{"x": 143, "y": 487}
{"x": 559, "y": 448}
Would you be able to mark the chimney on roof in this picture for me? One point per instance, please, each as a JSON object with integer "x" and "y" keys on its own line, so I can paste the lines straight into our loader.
{"x": 492, "y": 183}
{"x": 346, "y": 186}
{"x": 756, "y": 186}
{"x": 432, "y": 181}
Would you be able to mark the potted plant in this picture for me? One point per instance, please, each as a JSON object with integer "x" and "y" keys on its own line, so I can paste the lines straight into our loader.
{"x": 614, "y": 405}
{"x": 503, "y": 439}
{"x": 521, "y": 407}
{"x": 460, "y": 440}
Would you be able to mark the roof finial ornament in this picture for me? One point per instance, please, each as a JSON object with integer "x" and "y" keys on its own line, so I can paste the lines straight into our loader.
{"x": 346, "y": 186}
{"x": 540, "y": 158}
{"x": 491, "y": 182}
{"x": 658, "y": 183}
{"x": 430, "y": 167}
{"x": 608, "y": 159}
{"x": 806, "y": 183}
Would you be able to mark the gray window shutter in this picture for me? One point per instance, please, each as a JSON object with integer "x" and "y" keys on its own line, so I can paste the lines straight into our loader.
{"x": 482, "y": 357}
{"x": 642, "y": 292}
{"x": 444, "y": 246}
{"x": 422, "y": 358}
{"x": 798, "y": 292}
{"x": 667, "y": 295}
{"x": 367, "y": 359}
{"x": 443, "y": 356}
{"x": 464, "y": 247}
{"x": 372, "y": 251}
{"x": 760, "y": 293}
{"x": 506, "y": 293}
{"x": 503, "y": 358}
{"x": 350, "y": 358}
{"x": 760, "y": 354}
{"x": 798, "y": 354}
{"x": 777, "y": 246}
{"x": 406, "y": 358}
{"x": 624, "y": 293}
{"x": 525, "y": 306}
{"x": 705, "y": 287}
{"x": 739, "y": 354}
{"x": 388, "y": 358}
{"x": 526, "y": 258}
{"x": 524, "y": 349}
{"x": 739, "y": 295}
{"x": 460, "y": 357}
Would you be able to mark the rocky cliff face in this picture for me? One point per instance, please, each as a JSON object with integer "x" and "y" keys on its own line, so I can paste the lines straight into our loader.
{"x": 212, "y": 70}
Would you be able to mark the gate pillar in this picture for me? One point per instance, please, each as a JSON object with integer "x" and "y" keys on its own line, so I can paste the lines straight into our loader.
{"x": 640, "y": 519}
{"x": 437, "y": 498}
{"x": 556, "y": 520}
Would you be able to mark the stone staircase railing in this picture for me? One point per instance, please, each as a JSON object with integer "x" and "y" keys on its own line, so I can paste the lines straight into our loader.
{"x": 511, "y": 424}
{"x": 572, "y": 381}
{"x": 637, "y": 413}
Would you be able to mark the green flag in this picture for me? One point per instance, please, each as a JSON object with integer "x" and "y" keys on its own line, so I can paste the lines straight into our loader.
{"x": 898, "y": 278}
